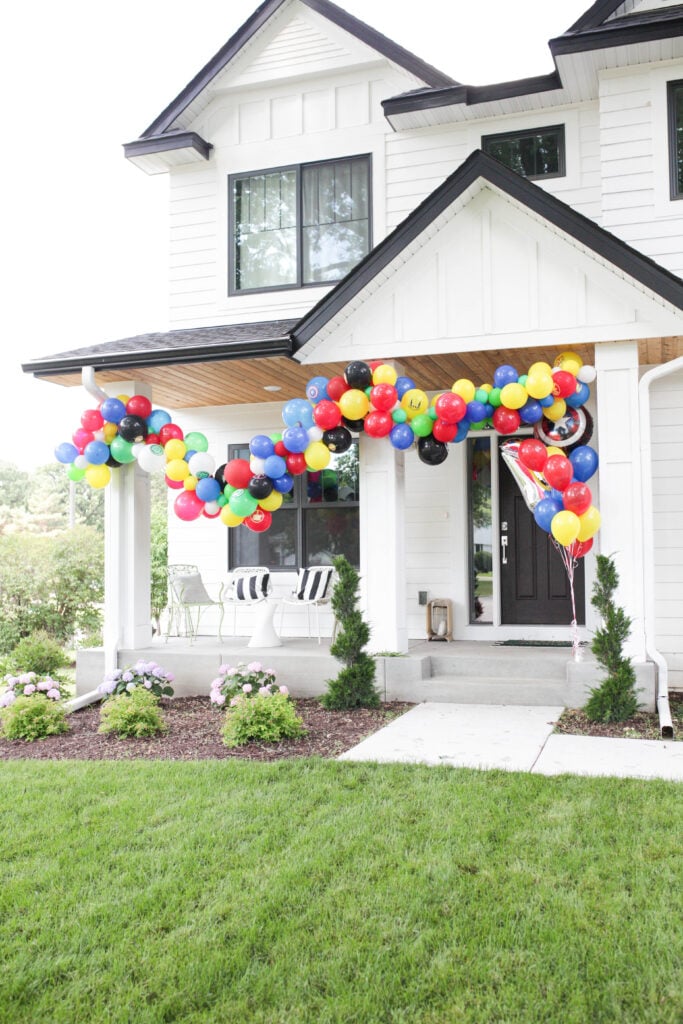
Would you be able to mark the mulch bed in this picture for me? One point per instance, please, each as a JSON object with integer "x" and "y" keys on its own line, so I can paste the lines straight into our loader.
{"x": 643, "y": 726}
{"x": 194, "y": 734}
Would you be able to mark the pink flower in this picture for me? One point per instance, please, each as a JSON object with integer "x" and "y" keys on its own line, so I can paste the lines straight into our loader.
{"x": 234, "y": 702}
{"x": 233, "y": 671}
{"x": 27, "y": 677}
{"x": 264, "y": 691}
{"x": 148, "y": 684}
{"x": 283, "y": 689}
{"x": 216, "y": 684}
{"x": 53, "y": 694}
{"x": 44, "y": 685}
{"x": 247, "y": 688}
{"x": 28, "y": 689}
{"x": 255, "y": 666}
{"x": 223, "y": 670}
{"x": 220, "y": 698}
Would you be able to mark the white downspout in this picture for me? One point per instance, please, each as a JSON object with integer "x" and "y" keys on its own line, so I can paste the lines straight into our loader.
{"x": 88, "y": 382}
{"x": 665, "y": 721}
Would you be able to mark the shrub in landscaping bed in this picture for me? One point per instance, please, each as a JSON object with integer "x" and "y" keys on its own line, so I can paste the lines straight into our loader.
{"x": 132, "y": 715}
{"x": 32, "y": 718}
{"x": 267, "y": 717}
{"x": 145, "y": 675}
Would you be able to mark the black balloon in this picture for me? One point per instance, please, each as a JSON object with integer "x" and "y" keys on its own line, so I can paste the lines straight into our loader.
{"x": 357, "y": 426}
{"x": 260, "y": 487}
{"x": 431, "y": 451}
{"x": 133, "y": 429}
{"x": 358, "y": 375}
{"x": 338, "y": 439}
{"x": 218, "y": 475}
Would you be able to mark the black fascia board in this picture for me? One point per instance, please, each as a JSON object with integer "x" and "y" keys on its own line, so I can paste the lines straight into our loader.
{"x": 160, "y": 357}
{"x": 166, "y": 143}
{"x": 625, "y": 31}
{"x": 595, "y": 15}
{"x": 549, "y": 207}
{"x": 432, "y": 76}
{"x": 470, "y": 94}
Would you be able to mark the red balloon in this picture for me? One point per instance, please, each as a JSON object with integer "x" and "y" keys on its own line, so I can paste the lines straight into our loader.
{"x": 533, "y": 454}
{"x": 188, "y": 506}
{"x": 577, "y": 498}
{"x": 81, "y": 438}
{"x": 175, "y": 485}
{"x": 138, "y": 405}
{"x": 327, "y": 414}
{"x": 336, "y": 387}
{"x": 211, "y": 515}
{"x": 92, "y": 419}
{"x": 564, "y": 384}
{"x": 237, "y": 473}
{"x": 280, "y": 448}
{"x": 296, "y": 463}
{"x": 384, "y": 397}
{"x": 169, "y": 432}
{"x": 378, "y": 424}
{"x": 152, "y": 439}
{"x": 444, "y": 431}
{"x": 558, "y": 471}
{"x": 580, "y": 548}
{"x": 259, "y": 521}
{"x": 506, "y": 421}
{"x": 450, "y": 407}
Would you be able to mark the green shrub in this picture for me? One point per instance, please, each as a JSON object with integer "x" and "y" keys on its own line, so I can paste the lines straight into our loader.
{"x": 615, "y": 699}
{"x": 39, "y": 653}
{"x": 483, "y": 561}
{"x": 132, "y": 715}
{"x": 268, "y": 719}
{"x": 32, "y": 718}
{"x": 354, "y": 687}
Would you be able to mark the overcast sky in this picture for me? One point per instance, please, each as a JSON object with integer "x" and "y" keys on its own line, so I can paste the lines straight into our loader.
{"x": 83, "y": 232}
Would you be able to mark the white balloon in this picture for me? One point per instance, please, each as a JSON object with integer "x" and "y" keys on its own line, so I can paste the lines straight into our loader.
{"x": 151, "y": 457}
{"x": 202, "y": 462}
{"x": 257, "y": 466}
{"x": 587, "y": 374}
{"x": 315, "y": 433}
{"x": 81, "y": 462}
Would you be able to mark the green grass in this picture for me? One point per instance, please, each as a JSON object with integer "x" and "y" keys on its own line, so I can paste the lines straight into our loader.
{"x": 321, "y": 892}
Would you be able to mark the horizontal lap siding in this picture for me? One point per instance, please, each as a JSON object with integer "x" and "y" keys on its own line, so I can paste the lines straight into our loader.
{"x": 193, "y": 227}
{"x": 428, "y": 536}
{"x": 666, "y": 419}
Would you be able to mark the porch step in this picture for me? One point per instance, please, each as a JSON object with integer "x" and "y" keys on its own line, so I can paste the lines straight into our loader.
{"x": 504, "y": 663}
{"x": 479, "y": 689}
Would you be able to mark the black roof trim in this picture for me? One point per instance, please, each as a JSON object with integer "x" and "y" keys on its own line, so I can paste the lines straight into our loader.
{"x": 431, "y": 75}
{"x": 165, "y": 143}
{"x": 479, "y": 165}
{"x": 195, "y": 345}
{"x": 595, "y": 15}
{"x": 425, "y": 99}
{"x": 626, "y": 31}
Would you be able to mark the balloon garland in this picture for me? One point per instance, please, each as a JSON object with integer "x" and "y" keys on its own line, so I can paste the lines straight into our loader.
{"x": 374, "y": 398}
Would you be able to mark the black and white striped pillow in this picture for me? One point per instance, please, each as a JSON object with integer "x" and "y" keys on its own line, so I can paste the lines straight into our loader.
{"x": 313, "y": 583}
{"x": 252, "y": 587}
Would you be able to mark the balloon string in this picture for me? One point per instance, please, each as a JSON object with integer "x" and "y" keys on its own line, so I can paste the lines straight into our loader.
{"x": 570, "y": 564}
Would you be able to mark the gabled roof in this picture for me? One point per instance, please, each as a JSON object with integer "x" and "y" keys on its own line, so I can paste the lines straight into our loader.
{"x": 479, "y": 166}
{"x": 595, "y": 29}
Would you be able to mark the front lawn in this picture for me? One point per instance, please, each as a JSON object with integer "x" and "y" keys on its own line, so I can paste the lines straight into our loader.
{"x": 317, "y": 891}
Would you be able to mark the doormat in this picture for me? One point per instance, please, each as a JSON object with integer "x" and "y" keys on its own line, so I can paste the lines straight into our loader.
{"x": 537, "y": 643}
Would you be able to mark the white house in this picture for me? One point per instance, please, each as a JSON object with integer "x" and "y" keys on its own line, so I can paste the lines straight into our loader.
{"x": 469, "y": 227}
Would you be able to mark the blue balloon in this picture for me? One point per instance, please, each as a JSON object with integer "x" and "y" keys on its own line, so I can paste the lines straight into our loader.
{"x": 545, "y": 512}
{"x": 531, "y": 411}
{"x": 505, "y": 374}
{"x": 585, "y": 461}
{"x": 284, "y": 483}
{"x": 547, "y": 401}
{"x": 208, "y": 488}
{"x": 580, "y": 396}
{"x": 402, "y": 436}
{"x": 402, "y": 385}
{"x": 275, "y": 467}
{"x": 96, "y": 452}
{"x": 463, "y": 430}
{"x": 297, "y": 412}
{"x": 316, "y": 390}
{"x": 476, "y": 411}
{"x": 113, "y": 410}
{"x": 295, "y": 439}
{"x": 157, "y": 419}
{"x": 261, "y": 446}
{"x": 188, "y": 454}
{"x": 66, "y": 452}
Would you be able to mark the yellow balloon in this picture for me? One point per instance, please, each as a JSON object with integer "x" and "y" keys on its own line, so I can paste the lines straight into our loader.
{"x": 557, "y": 410}
{"x": 570, "y": 362}
{"x": 354, "y": 404}
{"x": 565, "y": 527}
{"x": 465, "y": 388}
{"x": 317, "y": 455}
{"x": 541, "y": 368}
{"x": 190, "y": 483}
{"x": 177, "y": 469}
{"x": 514, "y": 396}
{"x": 384, "y": 374}
{"x": 414, "y": 402}
{"x": 175, "y": 449}
{"x": 485, "y": 387}
{"x": 272, "y": 502}
{"x": 229, "y": 518}
{"x": 589, "y": 523}
{"x": 98, "y": 476}
{"x": 124, "y": 398}
{"x": 553, "y": 450}
{"x": 539, "y": 384}
{"x": 110, "y": 430}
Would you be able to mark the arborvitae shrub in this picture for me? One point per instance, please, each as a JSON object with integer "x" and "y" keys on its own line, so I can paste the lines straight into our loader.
{"x": 354, "y": 687}
{"x": 615, "y": 699}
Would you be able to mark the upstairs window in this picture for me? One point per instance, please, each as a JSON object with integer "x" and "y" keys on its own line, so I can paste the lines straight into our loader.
{"x": 538, "y": 153}
{"x": 301, "y": 225}
{"x": 675, "y": 90}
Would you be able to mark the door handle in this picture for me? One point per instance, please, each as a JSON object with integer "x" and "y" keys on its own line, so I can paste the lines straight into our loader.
{"x": 504, "y": 546}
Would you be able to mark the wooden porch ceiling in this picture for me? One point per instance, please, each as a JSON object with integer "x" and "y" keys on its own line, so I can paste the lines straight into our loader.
{"x": 242, "y": 381}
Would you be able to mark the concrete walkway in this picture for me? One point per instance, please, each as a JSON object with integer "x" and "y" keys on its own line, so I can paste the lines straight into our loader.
{"x": 514, "y": 738}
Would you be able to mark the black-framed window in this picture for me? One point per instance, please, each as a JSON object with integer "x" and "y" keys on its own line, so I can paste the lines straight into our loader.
{"x": 675, "y": 103}
{"x": 317, "y": 520}
{"x": 539, "y": 153}
{"x": 300, "y": 225}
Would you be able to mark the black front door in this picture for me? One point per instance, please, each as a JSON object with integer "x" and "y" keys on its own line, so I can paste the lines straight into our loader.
{"x": 534, "y": 588}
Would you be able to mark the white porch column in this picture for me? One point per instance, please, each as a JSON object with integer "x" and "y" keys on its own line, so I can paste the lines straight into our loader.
{"x": 618, "y": 430}
{"x": 127, "y": 618}
{"x": 382, "y": 543}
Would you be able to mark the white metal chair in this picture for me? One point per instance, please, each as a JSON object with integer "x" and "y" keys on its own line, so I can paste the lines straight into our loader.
{"x": 314, "y": 587}
{"x": 187, "y": 595}
{"x": 247, "y": 585}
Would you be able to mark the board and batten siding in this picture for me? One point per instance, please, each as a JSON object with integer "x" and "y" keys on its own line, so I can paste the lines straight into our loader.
{"x": 666, "y": 420}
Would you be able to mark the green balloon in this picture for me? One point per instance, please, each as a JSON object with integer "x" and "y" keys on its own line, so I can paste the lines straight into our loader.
{"x": 196, "y": 442}
{"x": 399, "y": 415}
{"x": 275, "y": 437}
{"x": 422, "y": 424}
{"x": 122, "y": 450}
{"x": 494, "y": 398}
{"x": 481, "y": 395}
{"x": 432, "y": 413}
{"x": 74, "y": 473}
{"x": 242, "y": 503}
{"x": 221, "y": 500}
{"x": 523, "y": 379}
{"x": 228, "y": 490}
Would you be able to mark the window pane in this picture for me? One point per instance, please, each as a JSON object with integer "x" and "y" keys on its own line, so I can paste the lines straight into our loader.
{"x": 332, "y": 250}
{"x": 337, "y": 483}
{"x": 678, "y": 137}
{"x": 331, "y": 531}
{"x": 274, "y": 548}
{"x": 336, "y": 228}
{"x": 533, "y": 155}
{"x": 265, "y": 230}
{"x": 480, "y": 527}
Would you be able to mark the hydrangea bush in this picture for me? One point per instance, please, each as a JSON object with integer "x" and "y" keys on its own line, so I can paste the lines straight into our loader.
{"x": 244, "y": 681}
{"x": 27, "y": 684}
{"x": 146, "y": 674}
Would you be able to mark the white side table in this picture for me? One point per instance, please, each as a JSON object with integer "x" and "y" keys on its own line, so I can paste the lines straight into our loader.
{"x": 264, "y": 634}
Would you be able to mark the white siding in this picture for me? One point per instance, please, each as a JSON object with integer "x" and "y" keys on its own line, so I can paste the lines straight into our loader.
{"x": 667, "y": 499}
